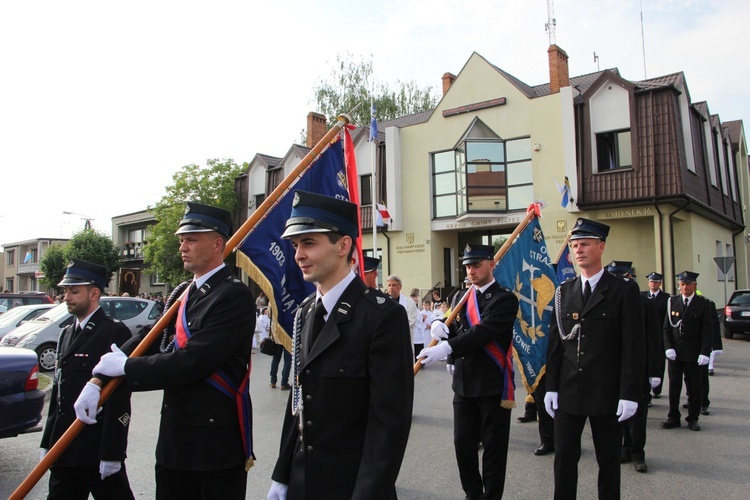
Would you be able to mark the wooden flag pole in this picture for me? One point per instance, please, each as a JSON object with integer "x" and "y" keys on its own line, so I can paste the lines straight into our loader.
{"x": 77, "y": 426}
{"x": 562, "y": 248}
{"x": 530, "y": 214}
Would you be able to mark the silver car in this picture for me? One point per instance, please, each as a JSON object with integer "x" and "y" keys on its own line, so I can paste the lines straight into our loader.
{"x": 41, "y": 334}
{"x": 17, "y": 315}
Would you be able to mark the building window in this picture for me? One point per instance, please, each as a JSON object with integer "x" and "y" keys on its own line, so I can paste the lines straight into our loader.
{"x": 156, "y": 280}
{"x": 11, "y": 259}
{"x": 273, "y": 179}
{"x": 365, "y": 190}
{"x": 482, "y": 175}
{"x": 9, "y": 284}
{"x": 259, "y": 199}
{"x": 613, "y": 150}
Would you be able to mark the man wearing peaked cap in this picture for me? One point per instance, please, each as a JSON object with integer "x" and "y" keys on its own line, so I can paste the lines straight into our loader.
{"x": 634, "y": 429}
{"x": 595, "y": 362}
{"x": 94, "y": 462}
{"x": 660, "y": 298}
{"x": 370, "y": 276}
{"x": 688, "y": 331}
{"x": 482, "y": 382}
{"x": 343, "y": 322}
{"x": 205, "y": 433}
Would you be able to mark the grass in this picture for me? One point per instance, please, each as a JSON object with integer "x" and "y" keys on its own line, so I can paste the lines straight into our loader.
{"x": 44, "y": 381}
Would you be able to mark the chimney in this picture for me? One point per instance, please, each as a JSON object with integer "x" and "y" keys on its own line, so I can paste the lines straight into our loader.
{"x": 316, "y": 128}
{"x": 558, "y": 69}
{"x": 448, "y": 79}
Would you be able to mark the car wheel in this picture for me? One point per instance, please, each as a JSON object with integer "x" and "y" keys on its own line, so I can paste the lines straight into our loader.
{"x": 728, "y": 334}
{"x": 47, "y": 355}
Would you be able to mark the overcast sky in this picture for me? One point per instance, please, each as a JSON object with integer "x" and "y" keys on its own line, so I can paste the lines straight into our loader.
{"x": 102, "y": 102}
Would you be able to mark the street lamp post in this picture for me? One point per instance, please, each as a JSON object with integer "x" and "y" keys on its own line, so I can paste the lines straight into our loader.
{"x": 87, "y": 224}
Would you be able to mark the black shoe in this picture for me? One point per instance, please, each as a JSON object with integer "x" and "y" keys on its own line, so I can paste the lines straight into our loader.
{"x": 711, "y": 371}
{"x": 640, "y": 466}
{"x": 625, "y": 457}
{"x": 693, "y": 426}
{"x": 657, "y": 396}
{"x": 704, "y": 410}
{"x": 285, "y": 387}
{"x": 670, "y": 424}
{"x": 686, "y": 406}
{"x": 544, "y": 449}
{"x": 528, "y": 417}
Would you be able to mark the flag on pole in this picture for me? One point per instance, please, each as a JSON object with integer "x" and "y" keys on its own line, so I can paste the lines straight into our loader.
{"x": 269, "y": 260}
{"x": 373, "y": 123}
{"x": 527, "y": 270}
{"x": 352, "y": 180}
{"x": 383, "y": 213}
{"x": 564, "y": 268}
{"x": 27, "y": 258}
{"x": 564, "y": 191}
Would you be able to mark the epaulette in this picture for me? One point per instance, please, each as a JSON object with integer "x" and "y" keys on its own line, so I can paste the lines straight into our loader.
{"x": 378, "y": 298}
{"x": 307, "y": 300}
{"x": 505, "y": 288}
{"x": 568, "y": 280}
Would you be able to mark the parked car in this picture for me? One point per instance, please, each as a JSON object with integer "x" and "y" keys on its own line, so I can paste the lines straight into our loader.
{"x": 10, "y": 300}
{"x": 737, "y": 314}
{"x": 41, "y": 334}
{"x": 21, "y": 401}
{"x": 18, "y": 315}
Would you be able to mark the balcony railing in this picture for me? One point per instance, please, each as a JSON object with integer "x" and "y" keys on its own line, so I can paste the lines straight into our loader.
{"x": 132, "y": 250}
{"x": 30, "y": 268}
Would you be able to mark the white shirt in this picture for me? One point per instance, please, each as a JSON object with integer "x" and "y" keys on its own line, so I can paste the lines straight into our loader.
{"x": 593, "y": 281}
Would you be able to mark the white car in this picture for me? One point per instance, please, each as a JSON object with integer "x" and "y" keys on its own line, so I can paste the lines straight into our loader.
{"x": 41, "y": 334}
{"x": 17, "y": 315}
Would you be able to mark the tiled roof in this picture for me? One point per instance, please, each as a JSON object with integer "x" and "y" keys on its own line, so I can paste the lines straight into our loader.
{"x": 661, "y": 81}
{"x": 270, "y": 161}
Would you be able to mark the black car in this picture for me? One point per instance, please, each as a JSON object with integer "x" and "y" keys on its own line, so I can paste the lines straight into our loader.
{"x": 737, "y": 314}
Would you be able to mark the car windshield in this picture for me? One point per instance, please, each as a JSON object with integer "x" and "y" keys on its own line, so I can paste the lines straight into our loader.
{"x": 13, "y": 316}
{"x": 740, "y": 300}
{"x": 54, "y": 314}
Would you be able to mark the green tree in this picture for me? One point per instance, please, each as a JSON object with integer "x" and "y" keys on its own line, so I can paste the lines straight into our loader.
{"x": 88, "y": 245}
{"x": 53, "y": 265}
{"x": 352, "y": 83}
{"x": 210, "y": 185}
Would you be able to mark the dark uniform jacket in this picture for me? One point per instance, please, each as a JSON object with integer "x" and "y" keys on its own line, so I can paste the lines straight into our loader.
{"x": 357, "y": 384}
{"x": 199, "y": 427}
{"x": 76, "y": 357}
{"x": 694, "y": 331}
{"x": 660, "y": 301}
{"x": 654, "y": 366}
{"x": 605, "y": 362}
{"x": 476, "y": 373}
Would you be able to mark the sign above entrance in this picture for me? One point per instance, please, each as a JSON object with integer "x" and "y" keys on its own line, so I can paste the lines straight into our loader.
{"x": 474, "y": 107}
{"x": 472, "y": 222}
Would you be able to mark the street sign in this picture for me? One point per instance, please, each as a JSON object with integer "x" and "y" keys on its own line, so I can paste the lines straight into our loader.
{"x": 724, "y": 263}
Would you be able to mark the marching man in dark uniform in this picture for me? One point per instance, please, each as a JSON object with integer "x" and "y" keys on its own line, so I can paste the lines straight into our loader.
{"x": 205, "y": 435}
{"x": 481, "y": 361}
{"x": 349, "y": 413}
{"x": 634, "y": 429}
{"x": 370, "y": 276}
{"x": 94, "y": 461}
{"x": 687, "y": 339}
{"x": 595, "y": 362}
{"x": 660, "y": 299}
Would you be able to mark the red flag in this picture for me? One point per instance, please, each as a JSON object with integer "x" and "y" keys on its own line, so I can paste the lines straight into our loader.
{"x": 352, "y": 181}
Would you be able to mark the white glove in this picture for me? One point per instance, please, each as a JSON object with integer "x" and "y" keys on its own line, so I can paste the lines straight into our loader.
{"x": 429, "y": 355}
{"x": 87, "y": 403}
{"x": 451, "y": 369}
{"x": 112, "y": 364}
{"x": 108, "y": 468}
{"x": 702, "y": 360}
{"x": 550, "y": 403}
{"x": 439, "y": 331}
{"x": 718, "y": 352}
{"x": 654, "y": 382}
{"x": 42, "y": 453}
{"x": 277, "y": 491}
{"x": 671, "y": 354}
{"x": 626, "y": 409}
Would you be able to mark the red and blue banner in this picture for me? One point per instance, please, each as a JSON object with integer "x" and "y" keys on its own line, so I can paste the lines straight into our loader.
{"x": 269, "y": 260}
{"x": 564, "y": 269}
{"x": 527, "y": 270}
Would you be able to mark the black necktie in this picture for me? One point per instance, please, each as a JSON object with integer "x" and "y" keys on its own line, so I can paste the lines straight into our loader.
{"x": 586, "y": 292}
{"x": 318, "y": 320}
{"x": 76, "y": 331}
{"x": 686, "y": 303}
{"x": 653, "y": 295}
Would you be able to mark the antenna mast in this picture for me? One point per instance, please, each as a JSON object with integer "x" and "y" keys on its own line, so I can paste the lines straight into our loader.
{"x": 643, "y": 43}
{"x": 551, "y": 23}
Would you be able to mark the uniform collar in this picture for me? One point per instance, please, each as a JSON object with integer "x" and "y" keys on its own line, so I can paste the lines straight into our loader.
{"x": 593, "y": 281}
{"x": 334, "y": 294}
{"x": 485, "y": 287}
{"x": 199, "y": 282}
{"x": 83, "y": 323}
